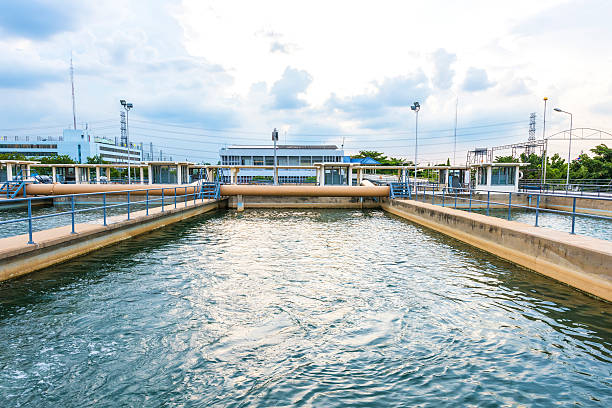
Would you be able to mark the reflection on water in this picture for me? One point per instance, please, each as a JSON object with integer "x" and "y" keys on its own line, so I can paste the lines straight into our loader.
{"x": 584, "y": 225}
{"x": 93, "y": 215}
{"x": 283, "y": 308}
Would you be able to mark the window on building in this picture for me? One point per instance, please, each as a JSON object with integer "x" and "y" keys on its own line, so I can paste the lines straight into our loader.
{"x": 246, "y": 161}
{"x": 258, "y": 160}
{"x": 269, "y": 160}
{"x": 482, "y": 176}
{"x": 317, "y": 159}
{"x": 502, "y": 176}
{"x": 230, "y": 160}
{"x": 305, "y": 161}
{"x": 282, "y": 160}
{"x": 294, "y": 161}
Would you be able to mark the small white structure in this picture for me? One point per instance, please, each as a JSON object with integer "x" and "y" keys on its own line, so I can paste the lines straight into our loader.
{"x": 15, "y": 169}
{"x": 502, "y": 177}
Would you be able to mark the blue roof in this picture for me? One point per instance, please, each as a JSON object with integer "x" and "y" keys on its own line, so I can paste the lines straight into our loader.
{"x": 364, "y": 160}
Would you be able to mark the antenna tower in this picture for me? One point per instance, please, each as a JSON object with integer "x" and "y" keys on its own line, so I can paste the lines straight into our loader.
{"x": 73, "y": 101}
{"x": 124, "y": 140}
{"x": 532, "y": 138}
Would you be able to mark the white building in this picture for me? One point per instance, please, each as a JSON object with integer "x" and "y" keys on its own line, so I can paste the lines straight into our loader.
{"x": 287, "y": 155}
{"x": 78, "y": 144}
{"x": 501, "y": 177}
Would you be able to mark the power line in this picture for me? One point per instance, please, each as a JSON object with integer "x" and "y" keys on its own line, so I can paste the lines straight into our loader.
{"x": 370, "y": 134}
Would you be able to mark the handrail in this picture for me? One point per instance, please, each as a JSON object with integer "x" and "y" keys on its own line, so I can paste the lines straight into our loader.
{"x": 147, "y": 201}
{"x": 467, "y": 195}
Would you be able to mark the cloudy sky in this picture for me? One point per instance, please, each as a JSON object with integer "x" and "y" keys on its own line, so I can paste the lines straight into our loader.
{"x": 203, "y": 74}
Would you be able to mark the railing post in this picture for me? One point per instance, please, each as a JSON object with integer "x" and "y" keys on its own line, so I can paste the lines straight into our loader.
{"x": 488, "y": 201}
{"x": 537, "y": 210}
{"x": 470, "y": 209}
{"x": 72, "y": 205}
{"x": 573, "y": 215}
{"x": 128, "y": 204}
{"x": 104, "y": 207}
{"x": 162, "y": 210}
{"x": 31, "y": 241}
{"x": 147, "y": 203}
{"x": 509, "y": 206}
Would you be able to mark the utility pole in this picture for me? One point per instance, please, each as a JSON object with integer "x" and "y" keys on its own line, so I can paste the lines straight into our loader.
{"x": 127, "y": 106}
{"x": 416, "y": 107}
{"x": 569, "y": 152}
{"x": 455, "y": 133}
{"x": 73, "y": 100}
{"x": 275, "y": 139}
{"x": 544, "y": 145}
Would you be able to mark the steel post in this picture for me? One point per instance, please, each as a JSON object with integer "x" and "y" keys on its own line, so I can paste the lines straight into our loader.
{"x": 72, "y": 205}
{"x": 30, "y": 241}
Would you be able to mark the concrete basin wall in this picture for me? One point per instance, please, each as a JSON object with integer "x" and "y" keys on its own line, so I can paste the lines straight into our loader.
{"x": 302, "y": 202}
{"x": 56, "y": 245}
{"x": 579, "y": 261}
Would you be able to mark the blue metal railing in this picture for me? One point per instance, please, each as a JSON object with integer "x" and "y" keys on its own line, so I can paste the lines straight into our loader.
{"x": 12, "y": 188}
{"x": 464, "y": 199}
{"x": 160, "y": 200}
{"x": 400, "y": 190}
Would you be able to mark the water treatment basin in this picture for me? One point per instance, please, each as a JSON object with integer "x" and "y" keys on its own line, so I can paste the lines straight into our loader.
{"x": 299, "y": 308}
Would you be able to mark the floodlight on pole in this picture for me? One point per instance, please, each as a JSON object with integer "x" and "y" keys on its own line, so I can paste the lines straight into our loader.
{"x": 127, "y": 106}
{"x": 569, "y": 153}
{"x": 416, "y": 107}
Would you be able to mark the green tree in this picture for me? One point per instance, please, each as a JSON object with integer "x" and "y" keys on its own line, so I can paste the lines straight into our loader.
{"x": 97, "y": 159}
{"x": 506, "y": 159}
{"x": 59, "y": 159}
{"x": 12, "y": 156}
{"x": 382, "y": 159}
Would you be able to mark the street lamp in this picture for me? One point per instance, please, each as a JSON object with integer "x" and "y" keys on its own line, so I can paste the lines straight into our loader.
{"x": 127, "y": 106}
{"x": 416, "y": 107}
{"x": 569, "y": 154}
{"x": 544, "y": 147}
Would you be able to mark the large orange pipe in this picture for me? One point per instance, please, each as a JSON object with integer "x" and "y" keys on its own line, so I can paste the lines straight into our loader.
{"x": 64, "y": 189}
{"x": 305, "y": 191}
{"x": 226, "y": 190}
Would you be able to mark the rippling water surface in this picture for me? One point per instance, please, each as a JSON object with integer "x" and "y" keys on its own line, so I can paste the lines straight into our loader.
{"x": 590, "y": 226}
{"x": 299, "y": 308}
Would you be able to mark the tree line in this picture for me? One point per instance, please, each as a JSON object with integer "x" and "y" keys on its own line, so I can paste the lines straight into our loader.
{"x": 599, "y": 166}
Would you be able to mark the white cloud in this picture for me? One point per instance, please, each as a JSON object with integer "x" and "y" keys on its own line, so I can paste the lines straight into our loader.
{"x": 476, "y": 79}
{"x": 342, "y": 67}
{"x": 443, "y": 74}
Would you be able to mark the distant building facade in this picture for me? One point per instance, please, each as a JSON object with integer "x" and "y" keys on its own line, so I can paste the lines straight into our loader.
{"x": 78, "y": 144}
{"x": 287, "y": 155}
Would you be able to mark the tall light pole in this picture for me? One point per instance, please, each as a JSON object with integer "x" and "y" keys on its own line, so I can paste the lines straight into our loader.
{"x": 416, "y": 107}
{"x": 569, "y": 153}
{"x": 127, "y": 106}
{"x": 455, "y": 133}
{"x": 543, "y": 178}
{"x": 275, "y": 139}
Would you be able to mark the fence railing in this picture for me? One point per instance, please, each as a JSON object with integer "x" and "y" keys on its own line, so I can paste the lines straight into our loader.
{"x": 12, "y": 188}
{"x": 163, "y": 197}
{"x": 466, "y": 199}
{"x": 576, "y": 187}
